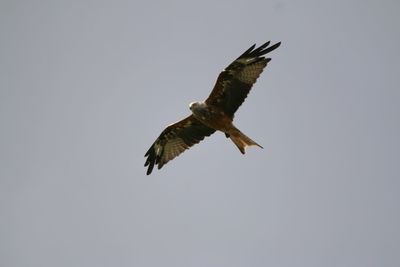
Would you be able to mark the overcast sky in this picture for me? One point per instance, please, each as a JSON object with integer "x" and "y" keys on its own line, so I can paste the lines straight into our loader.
{"x": 87, "y": 86}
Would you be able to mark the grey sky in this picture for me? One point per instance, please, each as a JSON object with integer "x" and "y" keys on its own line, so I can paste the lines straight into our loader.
{"x": 86, "y": 87}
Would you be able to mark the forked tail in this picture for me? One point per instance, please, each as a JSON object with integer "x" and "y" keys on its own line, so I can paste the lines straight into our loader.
{"x": 241, "y": 140}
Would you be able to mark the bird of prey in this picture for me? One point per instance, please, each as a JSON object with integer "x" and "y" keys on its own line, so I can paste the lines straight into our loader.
{"x": 216, "y": 112}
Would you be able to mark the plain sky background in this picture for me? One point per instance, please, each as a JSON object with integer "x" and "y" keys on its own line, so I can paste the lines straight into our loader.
{"x": 87, "y": 86}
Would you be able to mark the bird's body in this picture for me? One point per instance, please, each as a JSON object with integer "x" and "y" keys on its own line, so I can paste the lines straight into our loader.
{"x": 215, "y": 118}
{"x": 211, "y": 116}
{"x": 216, "y": 113}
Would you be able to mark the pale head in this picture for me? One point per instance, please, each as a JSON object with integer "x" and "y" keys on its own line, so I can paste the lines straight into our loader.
{"x": 196, "y": 105}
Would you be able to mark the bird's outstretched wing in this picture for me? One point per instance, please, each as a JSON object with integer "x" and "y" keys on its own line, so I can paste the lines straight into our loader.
{"x": 235, "y": 82}
{"x": 174, "y": 140}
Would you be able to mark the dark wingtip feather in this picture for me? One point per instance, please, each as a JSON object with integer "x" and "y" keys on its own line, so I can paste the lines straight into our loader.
{"x": 150, "y": 162}
{"x": 148, "y": 151}
{"x": 248, "y": 51}
{"x": 260, "y": 48}
{"x": 259, "y": 51}
{"x": 271, "y": 48}
{"x": 151, "y": 159}
{"x": 149, "y": 170}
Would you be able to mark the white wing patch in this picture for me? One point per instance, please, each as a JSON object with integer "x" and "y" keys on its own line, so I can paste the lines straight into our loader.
{"x": 172, "y": 149}
{"x": 250, "y": 73}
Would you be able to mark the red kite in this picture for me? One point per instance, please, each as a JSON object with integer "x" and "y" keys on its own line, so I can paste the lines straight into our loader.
{"x": 216, "y": 113}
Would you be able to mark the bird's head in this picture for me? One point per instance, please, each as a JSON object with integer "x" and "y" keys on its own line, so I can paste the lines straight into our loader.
{"x": 198, "y": 108}
{"x": 193, "y": 105}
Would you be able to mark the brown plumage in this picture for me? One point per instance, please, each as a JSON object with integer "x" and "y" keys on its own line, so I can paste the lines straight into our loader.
{"x": 175, "y": 139}
{"x": 234, "y": 83}
{"x": 216, "y": 112}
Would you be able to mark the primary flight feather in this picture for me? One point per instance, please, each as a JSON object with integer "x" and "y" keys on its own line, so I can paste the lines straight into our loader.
{"x": 216, "y": 112}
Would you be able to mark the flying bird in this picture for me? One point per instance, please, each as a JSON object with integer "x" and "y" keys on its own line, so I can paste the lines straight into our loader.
{"x": 216, "y": 112}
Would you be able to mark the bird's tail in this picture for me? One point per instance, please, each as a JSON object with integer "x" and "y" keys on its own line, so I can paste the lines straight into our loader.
{"x": 240, "y": 139}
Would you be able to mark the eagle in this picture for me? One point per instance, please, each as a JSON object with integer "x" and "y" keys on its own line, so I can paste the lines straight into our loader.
{"x": 216, "y": 113}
